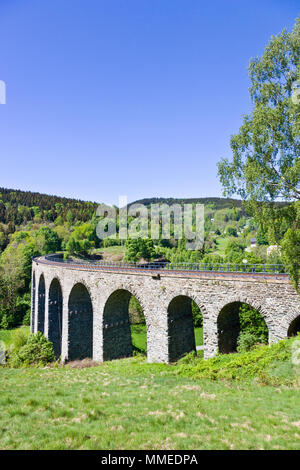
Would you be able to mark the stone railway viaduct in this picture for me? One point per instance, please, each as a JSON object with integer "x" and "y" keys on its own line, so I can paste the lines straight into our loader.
{"x": 83, "y": 309}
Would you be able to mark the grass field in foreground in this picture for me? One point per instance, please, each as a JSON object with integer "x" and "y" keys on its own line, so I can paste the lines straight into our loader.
{"x": 129, "y": 404}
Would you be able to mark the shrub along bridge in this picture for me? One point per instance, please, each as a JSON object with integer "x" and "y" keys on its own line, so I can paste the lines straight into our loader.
{"x": 83, "y": 306}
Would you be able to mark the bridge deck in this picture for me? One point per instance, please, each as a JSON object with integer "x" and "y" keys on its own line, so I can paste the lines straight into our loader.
{"x": 157, "y": 271}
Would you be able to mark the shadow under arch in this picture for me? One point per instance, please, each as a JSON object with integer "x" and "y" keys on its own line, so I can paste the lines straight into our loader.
{"x": 80, "y": 319}
{"x": 294, "y": 327}
{"x": 32, "y": 317}
{"x": 55, "y": 309}
{"x": 229, "y": 325}
{"x": 41, "y": 305}
{"x": 117, "y": 339}
{"x": 181, "y": 334}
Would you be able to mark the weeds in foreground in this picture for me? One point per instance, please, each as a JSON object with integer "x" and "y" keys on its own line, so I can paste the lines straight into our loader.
{"x": 262, "y": 362}
{"x": 253, "y": 402}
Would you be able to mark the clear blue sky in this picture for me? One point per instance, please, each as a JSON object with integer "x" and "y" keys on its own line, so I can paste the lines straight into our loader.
{"x": 134, "y": 97}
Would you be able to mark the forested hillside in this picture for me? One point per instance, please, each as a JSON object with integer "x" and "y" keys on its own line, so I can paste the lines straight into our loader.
{"x": 19, "y": 207}
{"x": 218, "y": 202}
{"x": 33, "y": 224}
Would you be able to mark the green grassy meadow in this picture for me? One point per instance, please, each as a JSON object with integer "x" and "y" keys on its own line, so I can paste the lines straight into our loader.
{"x": 7, "y": 336}
{"x": 221, "y": 245}
{"x": 112, "y": 253}
{"x": 130, "y": 404}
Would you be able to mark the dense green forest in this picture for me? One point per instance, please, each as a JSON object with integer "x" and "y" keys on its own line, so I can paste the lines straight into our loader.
{"x": 19, "y": 207}
{"x": 218, "y": 202}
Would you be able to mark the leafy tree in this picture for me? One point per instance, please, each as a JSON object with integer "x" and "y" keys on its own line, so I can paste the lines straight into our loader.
{"x": 266, "y": 162}
{"x": 23, "y": 304}
{"x": 212, "y": 259}
{"x": 139, "y": 248}
{"x": 261, "y": 237}
{"x": 275, "y": 257}
{"x": 80, "y": 241}
{"x": 15, "y": 277}
{"x": 11, "y": 285}
{"x": 64, "y": 234}
{"x": 266, "y": 151}
{"x": 231, "y": 231}
{"x": 29, "y": 251}
{"x": 70, "y": 217}
{"x": 3, "y": 241}
{"x": 252, "y": 257}
{"x": 234, "y": 250}
{"x": 36, "y": 211}
{"x": 47, "y": 240}
{"x": 59, "y": 220}
{"x": 291, "y": 253}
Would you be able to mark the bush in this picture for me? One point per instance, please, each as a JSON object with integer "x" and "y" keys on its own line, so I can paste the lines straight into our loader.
{"x": 18, "y": 339}
{"x": 246, "y": 341}
{"x": 111, "y": 242}
{"x": 261, "y": 363}
{"x": 37, "y": 350}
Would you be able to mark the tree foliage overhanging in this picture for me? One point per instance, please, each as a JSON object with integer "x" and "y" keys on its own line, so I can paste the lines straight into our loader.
{"x": 266, "y": 152}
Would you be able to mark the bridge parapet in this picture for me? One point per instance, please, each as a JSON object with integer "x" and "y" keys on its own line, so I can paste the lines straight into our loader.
{"x": 264, "y": 271}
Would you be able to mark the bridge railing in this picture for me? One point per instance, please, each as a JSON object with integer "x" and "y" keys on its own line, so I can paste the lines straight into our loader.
{"x": 166, "y": 266}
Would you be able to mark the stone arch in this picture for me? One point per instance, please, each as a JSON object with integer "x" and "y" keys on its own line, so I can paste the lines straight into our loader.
{"x": 181, "y": 335}
{"x": 132, "y": 291}
{"x": 80, "y": 319}
{"x": 33, "y": 290}
{"x": 117, "y": 341}
{"x": 79, "y": 280}
{"x": 41, "y": 304}
{"x": 228, "y": 323}
{"x": 55, "y": 309}
{"x": 294, "y": 327}
{"x": 187, "y": 293}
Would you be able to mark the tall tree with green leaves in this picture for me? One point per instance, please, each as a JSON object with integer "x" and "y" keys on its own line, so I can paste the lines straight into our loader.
{"x": 139, "y": 248}
{"x": 80, "y": 242}
{"x": 266, "y": 151}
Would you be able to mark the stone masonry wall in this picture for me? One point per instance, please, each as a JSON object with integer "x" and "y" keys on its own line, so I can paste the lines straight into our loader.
{"x": 274, "y": 296}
